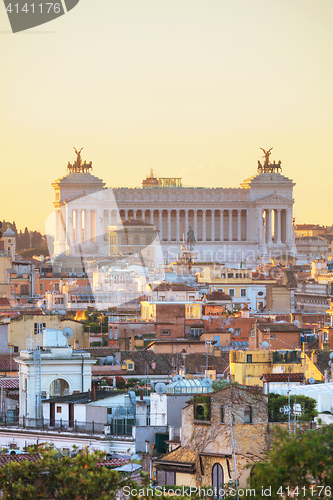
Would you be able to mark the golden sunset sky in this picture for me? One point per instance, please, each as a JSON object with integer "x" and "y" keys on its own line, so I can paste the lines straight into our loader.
{"x": 195, "y": 87}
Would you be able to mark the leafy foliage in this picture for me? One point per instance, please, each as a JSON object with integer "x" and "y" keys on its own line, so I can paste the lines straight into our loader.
{"x": 54, "y": 476}
{"x": 304, "y": 460}
{"x": 276, "y": 401}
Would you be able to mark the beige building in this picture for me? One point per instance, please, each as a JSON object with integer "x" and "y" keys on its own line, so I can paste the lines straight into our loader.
{"x": 244, "y": 286}
{"x": 30, "y": 327}
{"x": 205, "y": 457}
{"x": 80, "y": 338}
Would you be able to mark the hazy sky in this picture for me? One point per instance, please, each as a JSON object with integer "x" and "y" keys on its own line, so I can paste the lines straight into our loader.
{"x": 197, "y": 86}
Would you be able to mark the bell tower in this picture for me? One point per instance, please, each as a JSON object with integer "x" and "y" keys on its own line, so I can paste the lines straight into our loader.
{"x": 10, "y": 243}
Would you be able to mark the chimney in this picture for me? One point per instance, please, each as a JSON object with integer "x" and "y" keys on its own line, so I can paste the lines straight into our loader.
{"x": 141, "y": 394}
{"x": 94, "y": 389}
{"x": 132, "y": 346}
{"x": 89, "y": 395}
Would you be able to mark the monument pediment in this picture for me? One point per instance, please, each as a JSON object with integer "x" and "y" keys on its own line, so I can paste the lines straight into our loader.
{"x": 274, "y": 198}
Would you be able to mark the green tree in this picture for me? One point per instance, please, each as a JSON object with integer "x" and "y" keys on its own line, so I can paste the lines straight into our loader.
{"x": 303, "y": 461}
{"x": 276, "y": 402}
{"x": 54, "y": 476}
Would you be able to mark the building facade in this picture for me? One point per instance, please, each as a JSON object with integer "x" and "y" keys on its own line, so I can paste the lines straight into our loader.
{"x": 229, "y": 224}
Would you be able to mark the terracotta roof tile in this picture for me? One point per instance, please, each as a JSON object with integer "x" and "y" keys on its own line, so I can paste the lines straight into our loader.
{"x": 9, "y": 383}
{"x": 283, "y": 377}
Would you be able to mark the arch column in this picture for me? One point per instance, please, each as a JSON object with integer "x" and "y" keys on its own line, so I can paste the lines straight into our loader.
{"x": 239, "y": 225}
{"x": 212, "y": 225}
{"x": 203, "y": 225}
{"x": 230, "y": 225}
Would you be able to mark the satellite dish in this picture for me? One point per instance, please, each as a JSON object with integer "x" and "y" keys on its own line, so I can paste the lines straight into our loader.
{"x": 311, "y": 380}
{"x": 265, "y": 345}
{"x": 160, "y": 388}
{"x": 207, "y": 381}
{"x": 331, "y": 355}
{"x": 67, "y": 332}
{"x": 296, "y": 322}
{"x": 177, "y": 378}
{"x": 231, "y": 330}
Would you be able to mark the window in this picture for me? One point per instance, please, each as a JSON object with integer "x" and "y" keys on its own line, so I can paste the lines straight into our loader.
{"x": 165, "y": 478}
{"x": 115, "y": 333}
{"x": 243, "y": 292}
{"x": 217, "y": 340}
{"x": 222, "y": 415}
{"x": 41, "y": 287}
{"x": 237, "y": 331}
{"x": 196, "y": 332}
{"x": 230, "y": 275}
{"x": 247, "y": 415}
{"x": 260, "y": 294}
{"x": 148, "y": 240}
{"x": 38, "y": 328}
{"x": 136, "y": 240}
{"x": 231, "y": 292}
{"x": 130, "y": 366}
{"x": 58, "y": 409}
{"x": 165, "y": 332}
{"x": 249, "y": 358}
{"x": 199, "y": 412}
{"x": 56, "y": 287}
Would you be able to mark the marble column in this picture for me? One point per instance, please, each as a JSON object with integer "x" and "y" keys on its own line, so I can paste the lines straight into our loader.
{"x": 79, "y": 226}
{"x": 212, "y": 224}
{"x": 289, "y": 225}
{"x": 126, "y": 214}
{"x": 248, "y": 234}
{"x": 203, "y": 225}
{"x": 269, "y": 226}
{"x": 152, "y": 217}
{"x": 177, "y": 224}
{"x": 186, "y": 223}
{"x": 230, "y": 225}
{"x": 260, "y": 225}
{"x": 221, "y": 225}
{"x": 169, "y": 225}
{"x": 160, "y": 224}
{"x": 87, "y": 224}
{"x": 239, "y": 225}
{"x": 278, "y": 236}
{"x": 195, "y": 217}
